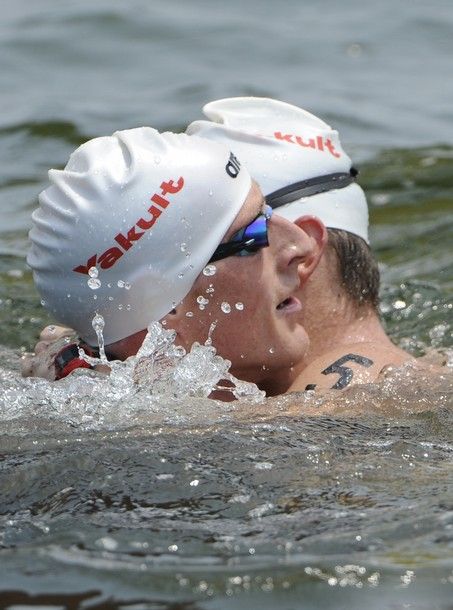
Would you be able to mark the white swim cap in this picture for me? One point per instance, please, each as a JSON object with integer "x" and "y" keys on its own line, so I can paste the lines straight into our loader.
{"x": 146, "y": 210}
{"x": 282, "y": 145}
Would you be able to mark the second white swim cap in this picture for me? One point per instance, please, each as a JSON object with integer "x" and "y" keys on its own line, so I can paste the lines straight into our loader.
{"x": 125, "y": 229}
{"x": 282, "y": 146}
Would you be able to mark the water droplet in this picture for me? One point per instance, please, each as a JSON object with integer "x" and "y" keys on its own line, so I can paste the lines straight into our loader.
{"x": 181, "y": 275}
{"x": 225, "y": 307}
{"x": 109, "y": 544}
{"x": 94, "y": 283}
{"x": 271, "y": 350}
{"x": 98, "y": 324}
{"x": 209, "y": 270}
{"x": 127, "y": 286}
{"x": 239, "y": 306}
{"x": 354, "y": 50}
{"x": 189, "y": 314}
{"x": 128, "y": 307}
{"x": 210, "y": 193}
{"x": 43, "y": 303}
{"x": 120, "y": 306}
{"x": 183, "y": 247}
{"x": 120, "y": 283}
{"x": 93, "y": 272}
{"x": 202, "y": 301}
{"x": 208, "y": 341}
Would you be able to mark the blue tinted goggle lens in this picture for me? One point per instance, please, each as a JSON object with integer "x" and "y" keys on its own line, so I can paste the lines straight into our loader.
{"x": 247, "y": 240}
{"x": 254, "y": 236}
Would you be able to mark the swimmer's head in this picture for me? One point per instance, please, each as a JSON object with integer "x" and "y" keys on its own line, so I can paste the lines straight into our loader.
{"x": 292, "y": 155}
{"x": 128, "y": 225}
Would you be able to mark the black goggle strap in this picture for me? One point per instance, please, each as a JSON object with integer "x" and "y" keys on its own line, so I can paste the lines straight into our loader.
{"x": 312, "y": 186}
{"x": 232, "y": 248}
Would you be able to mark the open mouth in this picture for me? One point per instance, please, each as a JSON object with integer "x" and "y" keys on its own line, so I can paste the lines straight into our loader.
{"x": 289, "y": 305}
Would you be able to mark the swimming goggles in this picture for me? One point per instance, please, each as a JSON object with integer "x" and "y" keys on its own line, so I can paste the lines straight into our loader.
{"x": 247, "y": 240}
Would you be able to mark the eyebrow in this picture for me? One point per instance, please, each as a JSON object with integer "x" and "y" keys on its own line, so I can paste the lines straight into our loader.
{"x": 261, "y": 209}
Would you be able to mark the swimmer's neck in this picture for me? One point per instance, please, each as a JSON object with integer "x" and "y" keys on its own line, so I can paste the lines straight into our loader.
{"x": 347, "y": 328}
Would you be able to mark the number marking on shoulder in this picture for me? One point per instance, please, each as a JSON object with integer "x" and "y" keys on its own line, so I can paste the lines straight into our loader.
{"x": 346, "y": 373}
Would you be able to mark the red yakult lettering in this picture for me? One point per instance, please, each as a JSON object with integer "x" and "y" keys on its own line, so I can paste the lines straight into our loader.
{"x": 108, "y": 258}
{"x": 147, "y": 224}
{"x": 91, "y": 262}
{"x": 320, "y": 143}
{"x": 309, "y": 144}
{"x": 160, "y": 200}
{"x": 280, "y": 136}
{"x": 331, "y": 148}
{"x": 126, "y": 242}
{"x": 169, "y": 187}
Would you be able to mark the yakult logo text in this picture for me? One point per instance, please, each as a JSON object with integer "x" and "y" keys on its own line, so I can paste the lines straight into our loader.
{"x": 318, "y": 143}
{"x": 124, "y": 242}
{"x": 233, "y": 166}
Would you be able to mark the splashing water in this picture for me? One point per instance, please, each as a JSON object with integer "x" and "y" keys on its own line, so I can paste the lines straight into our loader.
{"x": 98, "y": 324}
{"x": 210, "y": 332}
{"x": 156, "y": 382}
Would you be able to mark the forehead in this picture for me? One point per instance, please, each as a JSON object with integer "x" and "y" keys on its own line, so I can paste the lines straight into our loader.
{"x": 251, "y": 208}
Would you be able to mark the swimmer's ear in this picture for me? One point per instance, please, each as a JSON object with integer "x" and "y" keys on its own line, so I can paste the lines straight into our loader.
{"x": 316, "y": 233}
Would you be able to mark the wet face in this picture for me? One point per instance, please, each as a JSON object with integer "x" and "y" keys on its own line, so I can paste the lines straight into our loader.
{"x": 251, "y": 302}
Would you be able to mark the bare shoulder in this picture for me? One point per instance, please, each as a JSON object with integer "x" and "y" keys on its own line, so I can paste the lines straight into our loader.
{"x": 348, "y": 365}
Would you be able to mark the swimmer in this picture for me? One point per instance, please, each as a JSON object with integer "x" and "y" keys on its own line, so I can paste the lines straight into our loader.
{"x": 125, "y": 231}
{"x": 302, "y": 169}
{"x": 301, "y": 166}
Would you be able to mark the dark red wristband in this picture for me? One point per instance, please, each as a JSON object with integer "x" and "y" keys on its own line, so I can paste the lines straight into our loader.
{"x": 68, "y": 359}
